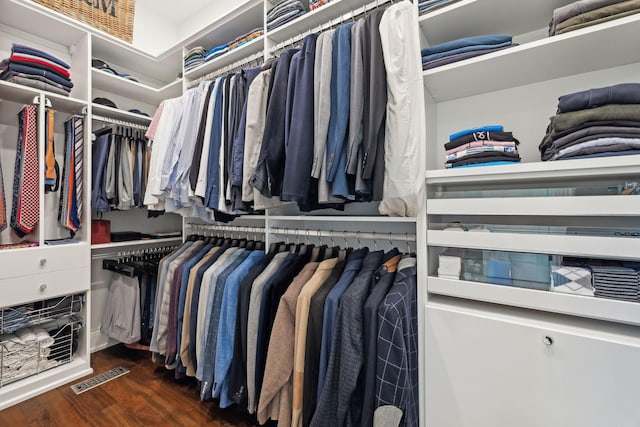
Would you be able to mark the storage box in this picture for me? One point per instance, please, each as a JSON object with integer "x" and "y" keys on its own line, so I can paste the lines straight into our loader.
{"x": 112, "y": 16}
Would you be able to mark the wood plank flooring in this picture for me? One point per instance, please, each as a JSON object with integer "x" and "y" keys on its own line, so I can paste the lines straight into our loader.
{"x": 147, "y": 396}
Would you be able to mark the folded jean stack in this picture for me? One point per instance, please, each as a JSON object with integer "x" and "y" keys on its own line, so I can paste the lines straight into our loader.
{"x": 483, "y": 146}
{"x": 465, "y": 48}
{"x": 585, "y": 13}
{"x": 283, "y": 12}
{"x": 194, "y": 58}
{"x": 426, "y": 6}
{"x": 37, "y": 69}
{"x": 602, "y": 122}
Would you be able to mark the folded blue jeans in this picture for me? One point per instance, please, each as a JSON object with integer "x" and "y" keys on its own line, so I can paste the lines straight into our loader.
{"x": 490, "y": 39}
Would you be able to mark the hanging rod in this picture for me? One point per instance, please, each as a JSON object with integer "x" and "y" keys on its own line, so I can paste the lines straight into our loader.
{"x": 332, "y": 23}
{"x": 119, "y": 122}
{"x": 258, "y": 58}
{"x": 228, "y": 228}
{"x": 133, "y": 252}
{"x": 405, "y": 237}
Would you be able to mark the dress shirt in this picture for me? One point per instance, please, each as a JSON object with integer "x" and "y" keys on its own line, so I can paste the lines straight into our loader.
{"x": 277, "y": 389}
{"x": 204, "y": 121}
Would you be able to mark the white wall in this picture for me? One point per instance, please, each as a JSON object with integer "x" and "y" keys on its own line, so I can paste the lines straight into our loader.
{"x": 153, "y": 32}
{"x": 205, "y": 16}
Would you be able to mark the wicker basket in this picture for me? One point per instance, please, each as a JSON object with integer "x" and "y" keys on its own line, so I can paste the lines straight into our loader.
{"x": 112, "y": 16}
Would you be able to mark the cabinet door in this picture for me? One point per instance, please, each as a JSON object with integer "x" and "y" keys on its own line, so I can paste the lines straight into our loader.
{"x": 494, "y": 372}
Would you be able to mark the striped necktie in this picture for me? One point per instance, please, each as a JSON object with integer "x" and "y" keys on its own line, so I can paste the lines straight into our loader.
{"x": 70, "y": 207}
{"x": 3, "y": 203}
{"x": 25, "y": 211}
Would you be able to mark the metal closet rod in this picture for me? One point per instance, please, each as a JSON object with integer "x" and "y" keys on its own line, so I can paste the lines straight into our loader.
{"x": 119, "y": 122}
{"x": 133, "y": 252}
{"x": 332, "y": 23}
{"x": 405, "y": 237}
{"x": 258, "y": 58}
{"x": 213, "y": 227}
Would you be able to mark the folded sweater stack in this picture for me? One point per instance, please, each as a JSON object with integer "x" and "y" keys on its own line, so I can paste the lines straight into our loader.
{"x": 488, "y": 145}
{"x": 465, "y": 48}
{"x": 283, "y": 12}
{"x": 600, "y": 122}
{"x": 37, "y": 69}
{"x": 585, "y": 13}
{"x": 194, "y": 57}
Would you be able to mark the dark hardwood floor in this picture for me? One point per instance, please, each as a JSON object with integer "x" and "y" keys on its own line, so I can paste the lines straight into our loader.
{"x": 147, "y": 396}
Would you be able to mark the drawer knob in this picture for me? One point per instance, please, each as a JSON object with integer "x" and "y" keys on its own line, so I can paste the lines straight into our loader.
{"x": 43, "y": 287}
{"x": 43, "y": 261}
{"x": 547, "y": 340}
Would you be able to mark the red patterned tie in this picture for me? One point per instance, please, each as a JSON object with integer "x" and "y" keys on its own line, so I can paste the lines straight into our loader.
{"x": 26, "y": 206}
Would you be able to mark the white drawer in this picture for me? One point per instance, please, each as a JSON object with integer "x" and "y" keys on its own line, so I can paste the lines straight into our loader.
{"x": 43, "y": 286}
{"x": 30, "y": 261}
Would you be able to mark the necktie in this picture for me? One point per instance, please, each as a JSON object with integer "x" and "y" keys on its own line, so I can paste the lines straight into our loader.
{"x": 25, "y": 211}
{"x": 70, "y": 207}
{"x": 3, "y": 203}
{"x": 51, "y": 179}
{"x": 79, "y": 154}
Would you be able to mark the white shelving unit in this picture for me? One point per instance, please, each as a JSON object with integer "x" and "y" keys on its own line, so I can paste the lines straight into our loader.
{"x": 490, "y": 334}
{"x": 144, "y": 242}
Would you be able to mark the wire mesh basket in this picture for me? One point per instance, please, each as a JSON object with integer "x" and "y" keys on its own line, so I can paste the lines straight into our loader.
{"x": 14, "y": 318}
{"x": 32, "y": 351}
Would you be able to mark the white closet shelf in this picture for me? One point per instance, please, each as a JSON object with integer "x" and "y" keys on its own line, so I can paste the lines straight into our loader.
{"x": 556, "y": 302}
{"x": 620, "y": 248}
{"x": 163, "y": 67}
{"x": 44, "y": 23}
{"x": 246, "y": 16}
{"x": 555, "y": 171}
{"x": 118, "y": 114}
{"x": 244, "y": 51}
{"x": 315, "y": 18}
{"x": 328, "y": 218}
{"x": 581, "y": 206}
{"x": 145, "y": 242}
{"x": 476, "y": 17}
{"x": 134, "y": 90}
{"x": 550, "y": 58}
{"x": 24, "y": 95}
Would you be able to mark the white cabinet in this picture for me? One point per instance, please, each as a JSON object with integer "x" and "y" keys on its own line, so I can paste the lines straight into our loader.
{"x": 494, "y": 370}
{"x": 485, "y": 360}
